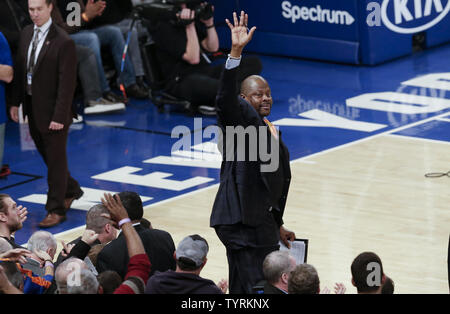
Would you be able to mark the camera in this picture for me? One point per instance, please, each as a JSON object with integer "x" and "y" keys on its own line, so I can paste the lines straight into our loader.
{"x": 168, "y": 10}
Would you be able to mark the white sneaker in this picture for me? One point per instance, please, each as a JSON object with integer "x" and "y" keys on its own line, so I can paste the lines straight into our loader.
{"x": 78, "y": 119}
{"x": 103, "y": 106}
{"x": 207, "y": 110}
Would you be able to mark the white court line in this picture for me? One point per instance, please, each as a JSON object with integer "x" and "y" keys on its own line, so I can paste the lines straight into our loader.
{"x": 407, "y": 126}
{"x": 414, "y": 138}
{"x": 444, "y": 119}
{"x": 301, "y": 159}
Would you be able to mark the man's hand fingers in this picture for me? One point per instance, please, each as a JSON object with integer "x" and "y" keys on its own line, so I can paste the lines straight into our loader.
{"x": 242, "y": 19}
{"x": 229, "y": 24}
{"x": 250, "y": 34}
{"x": 236, "y": 23}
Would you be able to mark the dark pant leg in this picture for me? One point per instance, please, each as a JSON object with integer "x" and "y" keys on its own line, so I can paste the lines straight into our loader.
{"x": 52, "y": 148}
{"x": 88, "y": 74}
{"x": 247, "y": 247}
{"x": 246, "y": 268}
{"x": 57, "y": 174}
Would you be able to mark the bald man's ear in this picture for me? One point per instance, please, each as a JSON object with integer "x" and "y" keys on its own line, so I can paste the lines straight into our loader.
{"x": 242, "y": 96}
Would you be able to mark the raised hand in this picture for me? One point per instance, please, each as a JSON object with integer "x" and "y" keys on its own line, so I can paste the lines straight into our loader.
{"x": 223, "y": 285}
{"x": 44, "y": 256}
{"x": 115, "y": 208}
{"x": 339, "y": 288}
{"x": 22, "y": 213}
{"x": 17, "y": 255}
{"x": 240, "y": 34}
{"x": 66, "y": 248}
{"x": 89, "y": 236}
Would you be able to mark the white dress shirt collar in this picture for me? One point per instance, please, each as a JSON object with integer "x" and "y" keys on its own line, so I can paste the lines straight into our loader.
{"x": 44, "y": 28}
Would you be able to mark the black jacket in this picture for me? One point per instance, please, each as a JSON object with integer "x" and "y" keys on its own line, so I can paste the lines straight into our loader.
{"x": 171, "y": 282}
{"x": 158, "y": 245}
{"x": 245, "y": 191}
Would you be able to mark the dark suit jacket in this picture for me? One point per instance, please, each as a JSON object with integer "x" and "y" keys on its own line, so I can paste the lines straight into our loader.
{"x": 158, "y": 245}
{"x": 270, "y": 289}
{"x": 54, "y": 78}
{"x": 244, "y": 190}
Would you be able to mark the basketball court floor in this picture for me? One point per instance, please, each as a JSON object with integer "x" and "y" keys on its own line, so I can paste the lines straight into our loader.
{"x": 361, "y": 140}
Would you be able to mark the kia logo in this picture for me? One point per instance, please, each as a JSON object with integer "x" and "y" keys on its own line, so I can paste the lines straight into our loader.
{"x": 420, "y": 9}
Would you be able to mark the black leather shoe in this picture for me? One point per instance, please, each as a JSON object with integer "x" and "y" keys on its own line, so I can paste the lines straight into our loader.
{"x": 136, "y": 92}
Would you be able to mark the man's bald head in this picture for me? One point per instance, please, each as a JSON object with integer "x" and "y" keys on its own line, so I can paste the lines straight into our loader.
{"x": 256, "y": 91}
{"x": 250, "y": 83}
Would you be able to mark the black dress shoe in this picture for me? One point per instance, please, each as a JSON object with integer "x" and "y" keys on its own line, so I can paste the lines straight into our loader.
{"x": 136, "y": 92}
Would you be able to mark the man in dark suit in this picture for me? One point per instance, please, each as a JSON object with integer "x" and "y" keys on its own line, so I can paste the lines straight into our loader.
{"x": 46, "y": 78}
{"x": 158, "y": 244}
{"x": 249, "y": 205}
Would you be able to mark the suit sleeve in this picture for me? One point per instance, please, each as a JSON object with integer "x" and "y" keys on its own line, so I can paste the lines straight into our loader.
{"x": 101, "y": 265}
{"x": 229, "y": 111}
{"x": 67, "y": 75}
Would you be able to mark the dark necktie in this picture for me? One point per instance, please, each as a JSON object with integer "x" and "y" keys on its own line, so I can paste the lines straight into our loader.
{"x": 31, "y": 61}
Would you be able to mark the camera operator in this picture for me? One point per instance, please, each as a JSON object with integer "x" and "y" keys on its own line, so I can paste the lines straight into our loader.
{"x": 182, "y": 44}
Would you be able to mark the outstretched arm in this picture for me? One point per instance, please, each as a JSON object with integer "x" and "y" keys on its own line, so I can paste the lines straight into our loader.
{"x": 228, "y": 108}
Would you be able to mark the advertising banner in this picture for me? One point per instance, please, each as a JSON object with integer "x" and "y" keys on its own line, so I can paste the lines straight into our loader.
{"x": 348, "y": 31}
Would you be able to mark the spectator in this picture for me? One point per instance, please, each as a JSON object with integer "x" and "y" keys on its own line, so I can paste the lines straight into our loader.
{"x": 158, "y": 244}
{"x": 72, "y": 277}
{"x": 388, "y": 286}
{"x": 88, "y": 284}
{"x": 81, "y": 249}
{"x": 5, "y": 246}
{"x": 11, "y": 218}
{"x": 11, "y": 280}
{"x": 146, "y": 223}
{"x": 94, "y": 102}
{"x": 138, "y": 269}
{"x": 39, "y": 268}
{"x": 66, "y": 272}
{"x": 103, "y": 36}
{"x": 6, "y": 76}
{"x": 109, "y": 281}
{"x": 367, "y": 273}
{"x": 117, "y": 13}
{"x": 277, "y": 267}
{"x": 191, "y": 257}
{"x": 182, "y": 46}
{"x": 93, "y": 253}
{"x": 100, "y": 226}
{"x": 304, "y": 280}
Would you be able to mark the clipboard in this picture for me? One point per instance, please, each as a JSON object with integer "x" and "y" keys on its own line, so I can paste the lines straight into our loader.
{"x": 298, "y": 250}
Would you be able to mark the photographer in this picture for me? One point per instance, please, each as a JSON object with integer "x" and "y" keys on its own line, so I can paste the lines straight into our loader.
{"x": 183, "y": 43}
